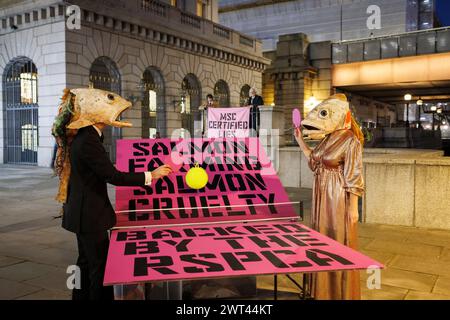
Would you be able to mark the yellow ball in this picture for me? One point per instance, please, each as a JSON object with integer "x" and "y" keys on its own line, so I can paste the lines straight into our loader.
{"x": 197, "y": 177}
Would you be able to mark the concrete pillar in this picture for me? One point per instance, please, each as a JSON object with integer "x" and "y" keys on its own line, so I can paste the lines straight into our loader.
{"x": 271, "y": 134}
{"x": 288, "y": 80}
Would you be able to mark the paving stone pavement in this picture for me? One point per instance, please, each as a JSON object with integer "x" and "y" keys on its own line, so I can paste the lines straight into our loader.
{"x": 35, "y": 251}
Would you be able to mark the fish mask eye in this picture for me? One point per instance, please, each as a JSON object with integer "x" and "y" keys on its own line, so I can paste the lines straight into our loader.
{"x": 323, "y": 113}
{"x": 110, "y": 96}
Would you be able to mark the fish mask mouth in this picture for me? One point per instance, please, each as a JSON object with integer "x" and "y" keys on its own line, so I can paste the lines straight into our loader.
{"x": 116, "y": 122}
{"x": 312, "y": 131}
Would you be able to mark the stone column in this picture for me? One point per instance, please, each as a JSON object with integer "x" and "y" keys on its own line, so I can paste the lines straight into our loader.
{"x": 289, "y": 76}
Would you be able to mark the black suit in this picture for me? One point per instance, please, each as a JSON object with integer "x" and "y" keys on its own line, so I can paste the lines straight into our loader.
{"x": 88, "y": 211}
{"x": 254, "y": 120}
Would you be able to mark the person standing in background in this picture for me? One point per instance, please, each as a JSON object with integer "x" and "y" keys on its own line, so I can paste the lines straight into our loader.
{"x": 254, "y": 101}
{"x": 210, "y": 103}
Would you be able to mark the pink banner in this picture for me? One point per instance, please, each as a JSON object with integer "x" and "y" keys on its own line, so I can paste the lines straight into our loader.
{"x": 228, "y": 122}
{"x": 224, "y": 250}
{"x": 242, "y": 183}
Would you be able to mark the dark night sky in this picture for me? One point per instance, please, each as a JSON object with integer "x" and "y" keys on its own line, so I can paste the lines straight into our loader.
{"x": 443, "y": 11}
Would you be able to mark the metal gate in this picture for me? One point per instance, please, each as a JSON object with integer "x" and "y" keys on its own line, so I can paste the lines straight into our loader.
{"x": 21, "y": 112}
{"x": 190, "y": 101}
{"x": 153, "y": 104}
{"x": 222, "y": 94}
{"x": 105, "y": 75}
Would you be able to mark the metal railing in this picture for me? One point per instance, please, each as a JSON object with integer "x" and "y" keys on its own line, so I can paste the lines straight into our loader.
{"x": 392, "y": 46}
{"x": 155, "y": 7}
{"x": 221, "y": 31}
{"x": 246, "y": 41}
{"x": 191, "y": 20}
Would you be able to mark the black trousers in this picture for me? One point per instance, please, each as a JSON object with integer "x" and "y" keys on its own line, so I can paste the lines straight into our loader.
{"x": 92, "y": 254}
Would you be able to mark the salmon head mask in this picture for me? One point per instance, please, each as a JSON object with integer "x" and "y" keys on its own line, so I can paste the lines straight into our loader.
{"x": 93, "y": 106}
{"x": 330, "y": 115}
{"x": 81, "y": 108}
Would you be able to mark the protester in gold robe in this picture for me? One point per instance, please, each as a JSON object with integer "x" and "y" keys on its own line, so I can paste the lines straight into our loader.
{"x": 337, "y": 165}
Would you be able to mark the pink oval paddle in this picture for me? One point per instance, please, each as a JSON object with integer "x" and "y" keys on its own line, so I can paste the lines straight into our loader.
{"x": 296, "y": 118}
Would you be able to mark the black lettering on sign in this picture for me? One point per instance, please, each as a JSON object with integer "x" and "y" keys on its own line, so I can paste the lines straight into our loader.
{"x": 164, "y": 186}
{"x": 141, "y": 146}
{"x": 142, "y": 247}
{"x": 162, "y": 265}
{"x": 235, "y": 263}
{"x": 262, "y": 243}
{"x": 230, "y": 210}
{"x": 262, "y": 228}
{"x": 154, "y": 163}
{"x": 133, "y": 164}
{"x": 274, "y": 259}
{"x": 179, "y": 246}
{"x": 162, "y": 203}
{"x": 166, "y": 233}
{"x": 140, "y": 215}
{"x": 239, "y": 185}
{"x": 279, "y": 264}
{"x": 305, "y": 240}
{"x": 232, "y": 242}
{"x": 255, "y": 180}
{"x": 206, "y": 234}
{"x": 293, "y": 239}
{"x": 217, "y": 182}
{"x": 287, "y": 228}
{"x": 142, "y": 191}
{"x": 230, "y": 230}
{"x": 210, "y": 266}
{"x": 160, "y": 148}
{"x": 313, "y": 254}
{"x": 131, "y": 235}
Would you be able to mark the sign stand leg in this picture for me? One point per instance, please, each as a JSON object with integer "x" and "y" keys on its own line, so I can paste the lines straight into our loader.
{"x": 303, "y": 294}
{"x": 275, "y": 287}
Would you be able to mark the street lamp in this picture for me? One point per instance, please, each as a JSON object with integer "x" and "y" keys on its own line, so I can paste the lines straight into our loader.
{"x": 407, "y": 98}
{"x": 433, "y": 111}
{"x": 419, "y": 104}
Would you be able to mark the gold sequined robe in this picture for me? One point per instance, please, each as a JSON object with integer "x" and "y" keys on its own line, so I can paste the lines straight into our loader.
{"x": 337, "y": 166}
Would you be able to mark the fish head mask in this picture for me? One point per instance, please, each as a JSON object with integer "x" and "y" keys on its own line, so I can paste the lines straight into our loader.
{"x": 330, "y": 115}
{"x": 93, "y": 106}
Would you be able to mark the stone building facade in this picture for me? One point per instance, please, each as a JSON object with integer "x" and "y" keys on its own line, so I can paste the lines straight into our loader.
{"x": 163, "y": 59}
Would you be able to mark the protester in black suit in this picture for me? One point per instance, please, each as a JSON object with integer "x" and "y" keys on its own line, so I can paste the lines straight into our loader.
{"x": 88, "y": 211}
{"x": 254, "y": 101}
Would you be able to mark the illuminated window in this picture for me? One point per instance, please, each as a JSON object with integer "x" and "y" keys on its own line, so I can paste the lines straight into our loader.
{"x": 152, "y": 102}
{"x": 173, "y": 3}
{"x": 152, "y": 132}
{"x": 200, "y": 8}
{"x": 186, "y": 104}
{"x": 28, "y": 87}
{"x": 29, "y": 137}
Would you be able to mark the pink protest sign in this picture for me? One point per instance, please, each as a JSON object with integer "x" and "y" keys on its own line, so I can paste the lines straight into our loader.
{"x": 224, "y": 250}
{"x": 242, "y": 184}
{"x": 228, "y": 122}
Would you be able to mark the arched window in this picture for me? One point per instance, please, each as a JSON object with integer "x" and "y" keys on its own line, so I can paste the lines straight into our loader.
{"x": 243, "y": 96}
{"x": 105, "y": 75}
{"x": 20, "y": 101}
{"x": 153, "y": 104}
{"x": 191, "y": 93}
{"x": 222, "y": 94}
